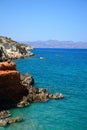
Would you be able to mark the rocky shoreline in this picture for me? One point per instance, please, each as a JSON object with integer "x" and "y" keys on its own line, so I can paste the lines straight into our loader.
{"x": 10, "y": 49}
{"x": 6, "y": 119}
{"x": 18, "y": 90}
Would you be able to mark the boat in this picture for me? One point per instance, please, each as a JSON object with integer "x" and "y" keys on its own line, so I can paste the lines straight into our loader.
{"x": 41, "y": 58}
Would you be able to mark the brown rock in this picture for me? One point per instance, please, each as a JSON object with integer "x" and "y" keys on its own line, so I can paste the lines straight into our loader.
{"x": 13, "y": 120}
{"x": 7, "y": 66}
{"x": 11, "y": 89}
{"x": 4, "y": 114}
{"x": 3, "y": 123}
{"x": 56, "y": 96}
{"x": 10, "y": 121}
{"x": 24, "y": 102}
{"x": 16, "y": 89}
{"x": 26, "y": 79}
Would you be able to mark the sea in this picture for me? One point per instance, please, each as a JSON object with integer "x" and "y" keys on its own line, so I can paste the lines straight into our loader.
{"x": 59, "y": 71}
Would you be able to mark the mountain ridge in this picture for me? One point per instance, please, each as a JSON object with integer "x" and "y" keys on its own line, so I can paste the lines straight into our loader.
{"x": 57, "y": 44}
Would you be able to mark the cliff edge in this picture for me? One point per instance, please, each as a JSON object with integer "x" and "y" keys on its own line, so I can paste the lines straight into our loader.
{"x": 11, "y": 49}
{"x": 17, "y": 90}
{"x": 11, "y": 89}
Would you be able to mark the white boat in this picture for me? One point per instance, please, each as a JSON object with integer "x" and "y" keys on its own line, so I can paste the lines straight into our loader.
{"x": 41, "y": 58}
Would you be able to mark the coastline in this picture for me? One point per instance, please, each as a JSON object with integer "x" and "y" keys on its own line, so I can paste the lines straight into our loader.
{"x": 68, "y": 77}
{"x": 11, "y": 49}
{"x": 19, "y": 91}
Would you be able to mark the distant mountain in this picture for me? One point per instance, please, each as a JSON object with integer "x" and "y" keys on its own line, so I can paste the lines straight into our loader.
{"x": 57, "y": 44}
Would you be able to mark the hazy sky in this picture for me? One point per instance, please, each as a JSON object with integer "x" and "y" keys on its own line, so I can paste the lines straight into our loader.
{"x": 32, "y": 20}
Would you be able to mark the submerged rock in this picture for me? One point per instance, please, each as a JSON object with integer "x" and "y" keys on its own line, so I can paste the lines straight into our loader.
{"x": 4, "y": 114}
{"x": 5, "y": 118}
{"x": 3, "y": 123}
{"x": 56, "y": 96}
{"x": 13, "y": 120}
{"x": 10, "y": 121}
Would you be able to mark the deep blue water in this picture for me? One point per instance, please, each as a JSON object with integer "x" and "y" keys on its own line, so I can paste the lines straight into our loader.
{"x": 62, "y": 70}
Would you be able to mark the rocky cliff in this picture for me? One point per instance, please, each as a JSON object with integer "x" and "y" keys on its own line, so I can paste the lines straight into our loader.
{"x": 13, "y": 50}
{"x": 17, "y": 90}
{"x": 11, "y": 89}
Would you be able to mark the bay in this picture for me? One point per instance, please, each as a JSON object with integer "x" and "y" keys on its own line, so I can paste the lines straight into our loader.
{"x": 63, "y": 71}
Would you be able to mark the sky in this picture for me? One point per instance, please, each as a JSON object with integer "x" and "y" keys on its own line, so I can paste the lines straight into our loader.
{"x": 32, "y": 20}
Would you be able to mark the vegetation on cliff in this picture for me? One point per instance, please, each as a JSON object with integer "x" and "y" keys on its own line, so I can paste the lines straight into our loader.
{"x": 13, "y": 50}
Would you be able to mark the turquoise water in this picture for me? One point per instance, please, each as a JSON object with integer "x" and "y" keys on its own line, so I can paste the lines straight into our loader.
{"x": 62, "y": 71}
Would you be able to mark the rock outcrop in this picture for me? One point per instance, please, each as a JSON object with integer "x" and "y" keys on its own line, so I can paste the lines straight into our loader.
{"x": 11, "y": 89}
{"x": 4, "y": 114}
{"x": 17, "y": 90}
{"x": 8, "y": 121}
{"x": 26, "y": 79}
{"x": 13, "y": 50}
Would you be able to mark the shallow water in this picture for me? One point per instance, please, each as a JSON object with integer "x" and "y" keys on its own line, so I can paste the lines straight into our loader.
{"x": 62, "y": 71}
